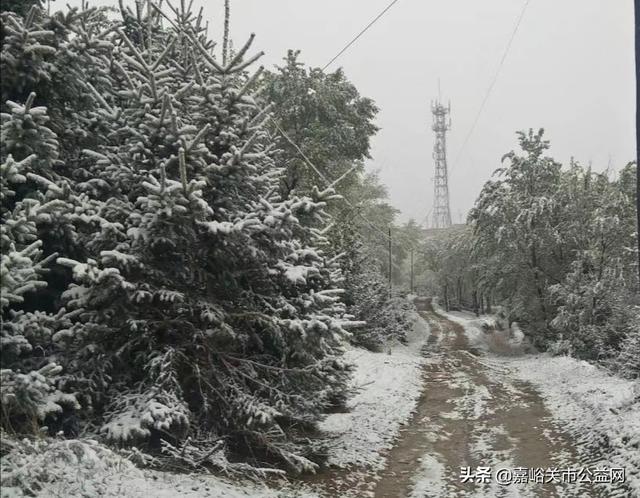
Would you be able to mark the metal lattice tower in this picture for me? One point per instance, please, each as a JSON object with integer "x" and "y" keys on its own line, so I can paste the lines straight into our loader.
{"x": 441, "y": 123}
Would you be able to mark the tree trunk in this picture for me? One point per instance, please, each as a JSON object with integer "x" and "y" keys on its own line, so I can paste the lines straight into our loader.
{"x": 476, "y": 307}
{"x": 446, "y": 297}
{"x": 536, "y": 277}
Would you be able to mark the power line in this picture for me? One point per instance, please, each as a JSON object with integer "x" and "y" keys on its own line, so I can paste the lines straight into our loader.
{"x": 346, "y": 47}
{"x": 302, "y": 154}
{"x": 493, "y": 82}
{"x": 308, "y": 162}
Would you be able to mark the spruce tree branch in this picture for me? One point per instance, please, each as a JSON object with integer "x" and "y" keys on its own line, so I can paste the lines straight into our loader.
{"x": 167, "y": 18}
{"x": 99, "y": 97}
{"x": 252, "y": 379}
{"x": 207, "y": 56}
{"x": 245, "y": 64}
{"x": 250, "y": 83}
{"x": 198, "y": 137}
{"x": 29, "y": 102}
{"x": 184, "y": 90}
{"x": 164, "y": 53}
{"x": 152, "y": 85}
{"x": 125, "y": 74}
{"x": 304, "y": 370}
{"x": 163, "y": 110}
{"x": 197, "y": 72}
{"x": 132, "y": 47}
{"x": 183, "y": 169}
{"x": 174, "y": 118}
{"x": 133, "y": 62}
{"x": 238, "y": 57}
{"x": 262, "y": 114}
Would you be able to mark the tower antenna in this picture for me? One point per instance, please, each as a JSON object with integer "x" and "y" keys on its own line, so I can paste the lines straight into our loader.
{"x": 441, "y": 208}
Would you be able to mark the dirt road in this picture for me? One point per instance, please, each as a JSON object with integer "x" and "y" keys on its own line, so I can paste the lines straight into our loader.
{"x": 474, "y": 414}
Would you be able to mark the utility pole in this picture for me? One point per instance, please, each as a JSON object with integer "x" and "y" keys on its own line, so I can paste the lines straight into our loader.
{"x": 411, "y": 281}
{"x": 441, "y": 123}
{"x": 389, "y": 260}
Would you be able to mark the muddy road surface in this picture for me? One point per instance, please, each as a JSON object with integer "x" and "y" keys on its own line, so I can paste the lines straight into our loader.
{"x": 472, "y": 420}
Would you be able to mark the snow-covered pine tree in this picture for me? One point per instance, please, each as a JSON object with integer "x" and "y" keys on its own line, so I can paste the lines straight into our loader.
{"x": 32, "y": 204}
{"x": 46, "y": 63}
{"x": 204, "y": 308}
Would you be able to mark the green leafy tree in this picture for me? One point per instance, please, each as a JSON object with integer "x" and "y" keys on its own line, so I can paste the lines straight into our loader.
{"x": 514, "y": 222}
{"x": 326, "y": 117}
{"x": 556, "y": 248}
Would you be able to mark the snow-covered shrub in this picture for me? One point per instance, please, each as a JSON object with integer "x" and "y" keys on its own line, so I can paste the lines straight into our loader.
{"x": 384, "y": 316}
{"x": 560, "y": 347}
{"x": 627, "y": 362}
{"x": 201, "y": 452}
{"x": 30, "y": 397}
{"x": 135, "y": 415}
{"x": 389, "y": 320}
{"x": 592, "y": 314}
{"x": 57, "y": 467}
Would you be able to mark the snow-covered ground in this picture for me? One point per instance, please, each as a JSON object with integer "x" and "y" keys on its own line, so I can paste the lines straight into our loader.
{"x": 600, "y": 410}
{"x": 390, "y": 384}
{"x": 87, "y": 469}
{"x": 503, "y": 341}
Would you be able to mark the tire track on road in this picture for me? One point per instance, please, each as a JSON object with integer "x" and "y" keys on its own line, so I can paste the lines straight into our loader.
{"x": 473, "y": 415}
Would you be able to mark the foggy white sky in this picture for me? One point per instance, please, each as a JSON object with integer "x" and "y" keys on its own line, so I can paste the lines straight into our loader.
{"x": 570, "y": 70}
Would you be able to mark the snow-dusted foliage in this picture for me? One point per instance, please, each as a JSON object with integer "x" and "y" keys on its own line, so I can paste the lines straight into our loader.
{"x": 187, "y": 298}
{"x": 557, "y": 248}
{"x": 381, "y": 316}
{"x": 325, "y": 115}
{"x": 59, "y": 467}
{"x": 554, "y": 248}
{"x": 627, "y": 362}
{"x": 55, "y": 467}
{"x": 31, "y": 203}
{"x": 385, "y": 315}
{"x": 452, "y": 272}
